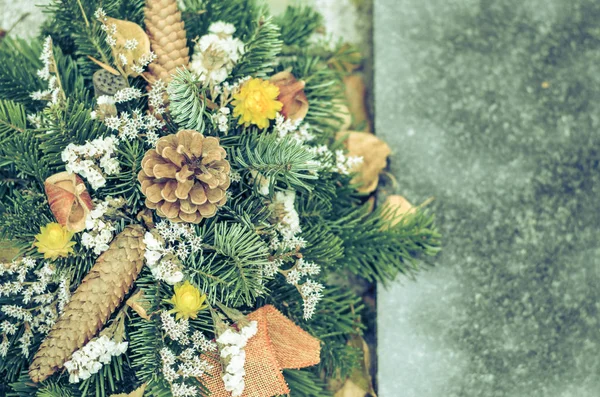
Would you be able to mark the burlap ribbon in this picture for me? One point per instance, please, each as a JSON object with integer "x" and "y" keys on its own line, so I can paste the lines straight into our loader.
{"x": 278, "y": 344}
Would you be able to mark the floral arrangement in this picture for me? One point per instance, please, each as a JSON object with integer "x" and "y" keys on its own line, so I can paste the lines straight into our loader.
{"x": 180, "y": 201}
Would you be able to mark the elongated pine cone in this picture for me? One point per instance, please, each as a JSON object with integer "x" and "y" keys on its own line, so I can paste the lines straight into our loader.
{"x": 185, "y": 178}
{"x": 92, "y": 304}
{"x": 167, "y": 36}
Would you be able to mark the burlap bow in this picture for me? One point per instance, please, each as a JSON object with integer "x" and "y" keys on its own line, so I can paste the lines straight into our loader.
{"x": 278, "y": 344}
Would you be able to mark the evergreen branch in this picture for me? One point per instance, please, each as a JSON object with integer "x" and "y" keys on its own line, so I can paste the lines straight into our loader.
{"x": 13, "y": 119}
{"x": 305, "y": 383}
{"x": 324, "y": 93}
{"x": 187, "y": 102}
{"x": 278, "y": 159}
{"x": 232, "y": 273}
{"x": 378, "y": 251}
{"x": 18, "y": 75}
{"x": 297, "y": 24}
{"x": 261, "y": 50}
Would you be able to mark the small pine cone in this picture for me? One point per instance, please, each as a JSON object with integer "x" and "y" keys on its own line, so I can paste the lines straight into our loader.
{"x": 166, "y": 32}
{"x": 92, "y": 304}
{"x": 185, "y": 177}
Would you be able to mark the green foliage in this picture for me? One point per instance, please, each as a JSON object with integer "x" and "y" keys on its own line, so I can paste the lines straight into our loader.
{"x": 279, "y": 160}
{"x": 323, "y": 91}
{"x": 125, "y": 183}
{"x": 54, "y": 390}
{"x": 262, "y": 49}
{"x": 378, "y": 251}
{"x": 18, "y": 76}
{"x": 199, "y": 14}
{"x": 24, "y": 205}
{"x": 230, "y": 267}
{"x": 297, "y": 24}
{"x": 186, "y": 98}
{"x": 304, "y": 383}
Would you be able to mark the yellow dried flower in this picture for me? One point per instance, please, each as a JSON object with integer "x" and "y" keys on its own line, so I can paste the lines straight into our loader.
{"x": 54, "y": 241}
{"x": 187, "y": 301}
{"x": 256, "y": 103}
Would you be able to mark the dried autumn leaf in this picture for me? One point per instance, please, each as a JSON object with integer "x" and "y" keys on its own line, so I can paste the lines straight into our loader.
{"x": 374, "y": 152}
{"x": 139, "y": 392}
{"x": 397, "y": 207}
{"x": 8, "y": 251}
{"x": 128, "y": 31}
{"x": 356, "y": 95}
{"x": 360, "y": 383}
{"x": 136, "y": 302}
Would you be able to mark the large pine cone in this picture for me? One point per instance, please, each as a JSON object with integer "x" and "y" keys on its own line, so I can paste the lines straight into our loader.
{"x": 92, "y": 304}
{"x": 166, "y": 32}
{"x": 185, "y": 177}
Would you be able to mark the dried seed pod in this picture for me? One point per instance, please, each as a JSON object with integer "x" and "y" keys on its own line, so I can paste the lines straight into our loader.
{"x": 106, "y": 83}
{"x": 69, "y": 200}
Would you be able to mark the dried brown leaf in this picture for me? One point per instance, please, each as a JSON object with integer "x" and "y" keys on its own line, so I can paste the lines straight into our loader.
{"x": 127, "y": 30}
{"x": 136, "y": 302}
{"x": 374, "y": 152}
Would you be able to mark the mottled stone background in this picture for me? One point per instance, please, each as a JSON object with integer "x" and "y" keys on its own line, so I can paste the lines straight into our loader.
{"x": 493, "y": 108}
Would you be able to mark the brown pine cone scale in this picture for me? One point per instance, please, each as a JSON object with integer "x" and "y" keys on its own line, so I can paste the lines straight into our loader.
{"x": 92, "y": 304}
{"x": 185, "y": 178}
{"x": 166, "y": 32}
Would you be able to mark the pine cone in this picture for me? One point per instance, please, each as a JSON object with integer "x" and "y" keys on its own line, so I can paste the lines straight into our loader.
{"x": 167, "y": 36}
{"x": 185, "y": 177}
{"x": 92, "y": 304}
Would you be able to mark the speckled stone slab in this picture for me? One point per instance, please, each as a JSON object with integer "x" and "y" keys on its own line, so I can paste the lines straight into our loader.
{"x": 493, "y": 108}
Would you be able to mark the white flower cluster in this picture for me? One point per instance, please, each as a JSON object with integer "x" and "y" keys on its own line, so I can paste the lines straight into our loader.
{"x": 288, "y": 220}
{"x": 168, "y": 245}
{"x": 89, "y": 359}
{"x": 156, "y": 97}
{"x": 336, "y": 162}
{"x": 221, "y": 119}
{"x": 162, "y": 269}
{"x": 132, "y": 125}
{"x": 138, "y": 65}
{"x": 99, "y": 231}
{"x": 47, "y": 305}
{"x": 188, "y": 364}
{"x": 231, "y": 349}
{"x": 47, "y": 73}
{"x": 296, "y": 129}
{"x": 91, "y": 159}
{"x": 127, "y": 94}
{"x": 217, "y": 52}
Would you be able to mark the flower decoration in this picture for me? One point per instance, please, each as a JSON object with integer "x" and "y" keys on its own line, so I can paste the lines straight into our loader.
{"x": 69, "y": 200}
{"x": 256, "y": 103}
{"x": 54, "y": 241}
{"x": 187, "y": 301}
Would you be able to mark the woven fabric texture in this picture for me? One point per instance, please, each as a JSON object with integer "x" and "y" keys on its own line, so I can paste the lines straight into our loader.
{"x": 278, "y": 344}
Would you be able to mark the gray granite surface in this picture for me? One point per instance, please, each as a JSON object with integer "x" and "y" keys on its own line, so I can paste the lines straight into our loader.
{"x": 493, "y": 107}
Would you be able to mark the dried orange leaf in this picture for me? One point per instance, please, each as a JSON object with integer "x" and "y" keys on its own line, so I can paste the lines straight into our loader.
{"x": 374, "y": 152}
{"x": 128, "y": 31}
{"x": 136, "y": 303}
{"x": 397, "y": 207}
{"x": 356, "y": 96}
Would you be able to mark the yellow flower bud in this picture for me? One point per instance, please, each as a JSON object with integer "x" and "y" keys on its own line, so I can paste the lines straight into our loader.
{"x": 54, "y": 241}
{"x": 256, "y": 103}
{"x": 187, "y": 301}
